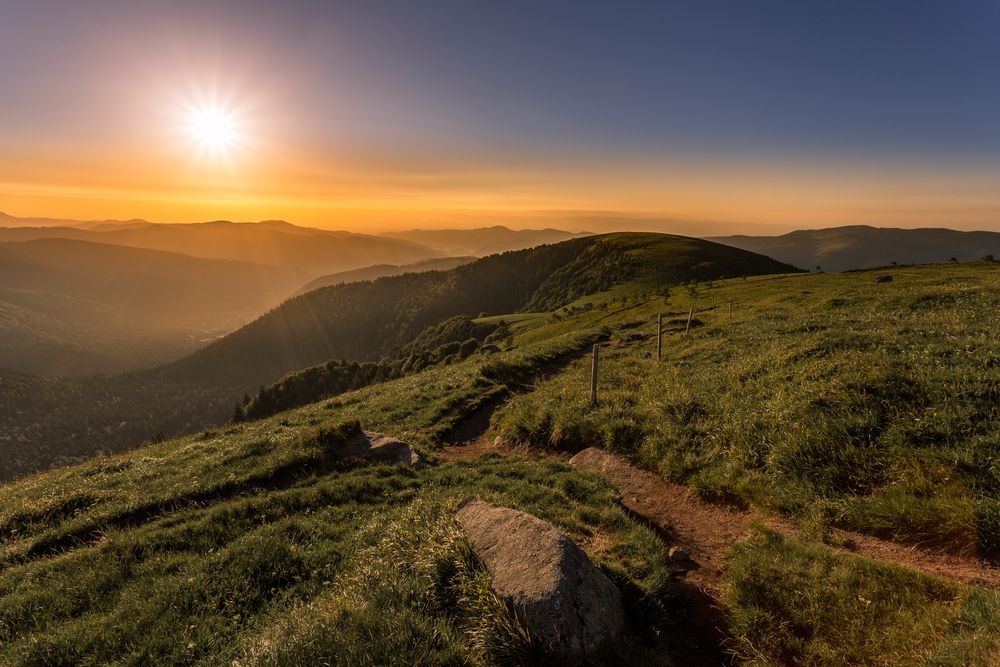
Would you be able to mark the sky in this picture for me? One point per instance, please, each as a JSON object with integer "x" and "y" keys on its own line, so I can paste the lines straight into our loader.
{"x": 701, "y": 117}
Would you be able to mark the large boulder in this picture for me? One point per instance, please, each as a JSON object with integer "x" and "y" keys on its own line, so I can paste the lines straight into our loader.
{"x": 384, "y": 449}
{"x": 567, "y": 605}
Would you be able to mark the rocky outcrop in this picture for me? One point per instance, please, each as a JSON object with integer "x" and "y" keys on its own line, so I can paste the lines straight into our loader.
{"x": 384, "y": 449}
{"x": 595, "y": 458}
{"x": 567, "y": 605}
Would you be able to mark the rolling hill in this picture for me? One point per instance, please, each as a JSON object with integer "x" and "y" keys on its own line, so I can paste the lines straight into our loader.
{"x": 484, "y": 240}
{"x": 53, "y": 334}
{"x": 68, "y": 305}
{"x": 356, "y": 321}
{"x": 382, "y": 270}
{"x": 314, "y": 252}
{"x": 365, "y": 321}
{"x": 824, "y": 414}
{"x": 859, "y": 246}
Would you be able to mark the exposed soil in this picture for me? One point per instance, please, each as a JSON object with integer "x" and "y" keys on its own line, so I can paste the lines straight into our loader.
{"x": 470, "y": 429}
{"x": 697, "y": 634}
{"x": 707, "y": 530}
{"x": 704, "y": 530}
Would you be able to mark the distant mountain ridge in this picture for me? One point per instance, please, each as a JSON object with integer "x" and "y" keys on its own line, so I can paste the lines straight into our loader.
{"x": 483, "y": 240}
{"x": 271, "y": 243}
{"x": 77, "y": 307}
{"x": 862, "y": 246}
{"x": 280, "y": 243}
{"x": 360, "y": 321}
{"x": 382, "y": 271}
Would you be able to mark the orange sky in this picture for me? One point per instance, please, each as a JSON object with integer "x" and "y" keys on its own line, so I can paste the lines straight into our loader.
{"x": 367, "y": 193}
{"x": 377, "y": 116}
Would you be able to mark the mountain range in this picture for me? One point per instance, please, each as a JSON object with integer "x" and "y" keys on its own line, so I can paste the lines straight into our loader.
{"x": 861, "y": 246}
{"x": 383, "y": 270}
{"x": 313, "y": 252}
{"x": 74, "y": 307}
{"x": 105, "y": 296}
{"x": 483, "y": 240}
{"x": 361, "y": 321}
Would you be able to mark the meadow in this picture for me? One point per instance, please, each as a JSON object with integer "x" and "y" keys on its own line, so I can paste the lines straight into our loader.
{"x": 826, "y": 397}
{"x": 830, "y": 400}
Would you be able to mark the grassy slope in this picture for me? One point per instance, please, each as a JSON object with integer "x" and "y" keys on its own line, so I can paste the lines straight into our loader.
{"x": 260, "y": 543}
{"x": 833, "y": 399}
{"x": 794, "y": 603}
{"x": 147, "y": 556}
{"x": 868, "y": 406}
{"x": 45, "y": 422}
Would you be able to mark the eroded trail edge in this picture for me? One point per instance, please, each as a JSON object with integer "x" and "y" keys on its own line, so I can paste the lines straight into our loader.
{"x": 707, "y": 530}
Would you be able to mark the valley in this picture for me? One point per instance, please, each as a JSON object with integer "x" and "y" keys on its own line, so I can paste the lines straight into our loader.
{"x": 836, "y": 410}
{"x": 361, "y": 322}
{"x": 499, "y": 334}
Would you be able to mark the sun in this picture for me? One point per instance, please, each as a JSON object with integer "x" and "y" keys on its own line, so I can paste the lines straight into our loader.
{"x": 214, "y": 129}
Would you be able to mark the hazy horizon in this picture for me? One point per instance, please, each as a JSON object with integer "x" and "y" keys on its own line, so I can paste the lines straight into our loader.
{"x": 594, "y": 223}
{"x": 345, "y": 115}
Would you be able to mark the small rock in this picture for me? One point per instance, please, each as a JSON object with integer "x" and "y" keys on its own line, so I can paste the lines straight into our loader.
{"x": 677, "y": 553}
{"x": 592, "y": 458}
{"x": 883, "y": 279}
{"x": 567, "y": 605}
{"x": 385, "y": 449}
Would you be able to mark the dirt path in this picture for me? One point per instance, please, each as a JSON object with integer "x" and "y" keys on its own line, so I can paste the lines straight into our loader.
{"x": 706, "y": 530}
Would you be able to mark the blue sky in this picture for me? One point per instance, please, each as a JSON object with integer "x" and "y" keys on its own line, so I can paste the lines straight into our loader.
{"x": 487, "y": 104}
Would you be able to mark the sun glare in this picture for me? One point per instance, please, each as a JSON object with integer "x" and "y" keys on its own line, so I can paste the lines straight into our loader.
{"x": 214, "y": 129}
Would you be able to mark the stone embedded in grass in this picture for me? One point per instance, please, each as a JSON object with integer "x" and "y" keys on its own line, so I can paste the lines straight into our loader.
{"x": 677, "y": 553}
{"x": 567, "y": 605}
{"x": 384, "y": 449}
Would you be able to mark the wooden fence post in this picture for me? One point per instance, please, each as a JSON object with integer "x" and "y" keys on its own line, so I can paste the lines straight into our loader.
{"x": 690, "y": 317}
{"x": 593, "y": 375}
{"x": 659, "y": 337}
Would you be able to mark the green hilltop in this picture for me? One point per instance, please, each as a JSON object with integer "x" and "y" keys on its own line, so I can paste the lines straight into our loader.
{"x": 53, "y": 421}
{"x": 829, "y": 401}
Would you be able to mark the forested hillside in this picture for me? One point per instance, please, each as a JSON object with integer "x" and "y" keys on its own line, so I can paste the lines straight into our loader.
{"x": 46, "y": 420}
{"x": 825, "y": 454}
{"x": 382, "y": 270}
{"x": 272, "y": 242}
{"x": 447, "y": 342}
{"x": 369, "y": 320}
{"x": 77, "y": 307}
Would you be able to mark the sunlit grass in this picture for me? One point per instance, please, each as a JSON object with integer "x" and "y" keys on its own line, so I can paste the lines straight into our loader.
{"x": 871, "y": 406}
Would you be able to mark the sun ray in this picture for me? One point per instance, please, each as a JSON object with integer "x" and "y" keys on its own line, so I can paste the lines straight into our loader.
{"x": 215, "y": 130}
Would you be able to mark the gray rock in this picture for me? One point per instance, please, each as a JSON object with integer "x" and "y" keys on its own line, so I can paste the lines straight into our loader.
{"x": 568, "y": 606}
{"x": 677, "y": 553}
{"x": 385, "y": 449}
